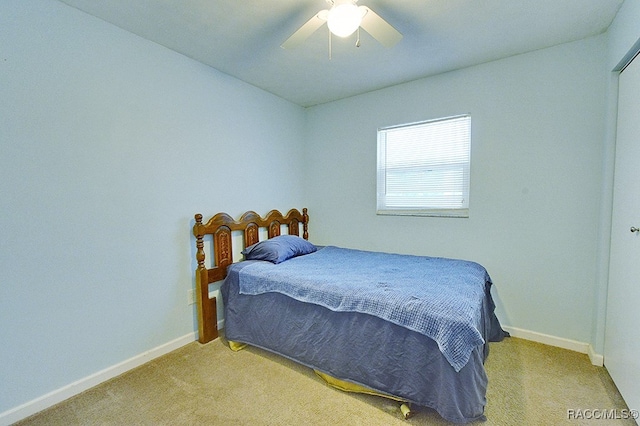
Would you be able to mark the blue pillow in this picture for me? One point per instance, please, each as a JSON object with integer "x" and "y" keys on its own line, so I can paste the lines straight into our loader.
{"x": 278, "y": 249}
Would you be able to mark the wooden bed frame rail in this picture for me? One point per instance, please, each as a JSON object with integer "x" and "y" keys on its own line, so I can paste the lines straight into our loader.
{"x": 220, "y": 226}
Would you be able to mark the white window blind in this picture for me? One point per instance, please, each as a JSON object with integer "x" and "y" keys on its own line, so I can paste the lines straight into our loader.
{"x": 424, "y": 168}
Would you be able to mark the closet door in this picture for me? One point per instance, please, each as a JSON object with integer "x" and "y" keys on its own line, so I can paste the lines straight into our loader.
{"x": 622, "y": 334}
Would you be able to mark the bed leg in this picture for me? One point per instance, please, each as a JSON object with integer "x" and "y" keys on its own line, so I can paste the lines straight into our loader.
{"x": 405, "y": 409}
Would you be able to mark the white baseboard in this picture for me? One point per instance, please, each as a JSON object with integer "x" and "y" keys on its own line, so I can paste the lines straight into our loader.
{"x": 596, "y": 359}
{"x": 29, "y": 408}
{"x": 559, "y": 342}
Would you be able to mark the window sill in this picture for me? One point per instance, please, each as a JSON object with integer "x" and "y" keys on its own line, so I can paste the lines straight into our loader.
{"x": 459, "y": 213}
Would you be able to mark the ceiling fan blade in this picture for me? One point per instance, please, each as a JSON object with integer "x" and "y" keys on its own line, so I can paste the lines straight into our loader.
{"x": 379, "y": 28}
{"x": 306, "y": 30}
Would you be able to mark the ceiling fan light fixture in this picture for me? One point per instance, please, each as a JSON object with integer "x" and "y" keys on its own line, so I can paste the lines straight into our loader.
{"x": 344, "y": 19}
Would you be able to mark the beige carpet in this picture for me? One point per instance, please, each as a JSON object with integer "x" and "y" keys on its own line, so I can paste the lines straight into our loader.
{"x": 529, "y": 384}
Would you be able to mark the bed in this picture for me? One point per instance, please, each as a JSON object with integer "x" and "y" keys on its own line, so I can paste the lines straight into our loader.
{"x": 411, "y": 328}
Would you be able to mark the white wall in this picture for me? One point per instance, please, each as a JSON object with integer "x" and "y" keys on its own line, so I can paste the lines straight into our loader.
{"x": 109, "y": 144}
{"x": 538, "y": 123}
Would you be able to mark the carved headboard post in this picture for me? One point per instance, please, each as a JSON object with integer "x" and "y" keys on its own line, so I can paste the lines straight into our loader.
{"x": 199, "y": 241}
{"x": 207, "y": 312}
{"x": 305, "y": 224}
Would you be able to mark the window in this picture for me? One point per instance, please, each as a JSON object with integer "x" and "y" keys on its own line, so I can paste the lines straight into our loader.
{"x": 423, "y": 168}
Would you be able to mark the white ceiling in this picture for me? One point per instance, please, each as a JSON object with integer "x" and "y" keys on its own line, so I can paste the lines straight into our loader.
{"x": 242, "y": 38}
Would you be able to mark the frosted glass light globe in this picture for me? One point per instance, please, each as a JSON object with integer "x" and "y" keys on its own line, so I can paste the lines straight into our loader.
{"x": 343, "y": 20}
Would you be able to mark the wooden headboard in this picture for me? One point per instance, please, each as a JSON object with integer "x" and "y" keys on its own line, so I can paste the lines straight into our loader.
{"x": 220, "y": 227}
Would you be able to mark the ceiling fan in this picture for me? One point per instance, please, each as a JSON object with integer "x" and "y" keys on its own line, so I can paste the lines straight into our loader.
{"x": 343, "y": 19}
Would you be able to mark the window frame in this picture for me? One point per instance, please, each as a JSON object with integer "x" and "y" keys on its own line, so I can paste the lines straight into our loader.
{"x": 382, "y": 207}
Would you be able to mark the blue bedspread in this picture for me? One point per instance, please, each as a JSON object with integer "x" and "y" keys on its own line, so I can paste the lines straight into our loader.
{"x": 440, "y": 298}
